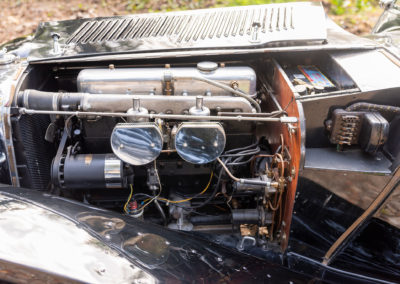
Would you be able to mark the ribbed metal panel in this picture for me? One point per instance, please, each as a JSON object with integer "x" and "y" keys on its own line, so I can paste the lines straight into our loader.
{"x": 195, "y": 26}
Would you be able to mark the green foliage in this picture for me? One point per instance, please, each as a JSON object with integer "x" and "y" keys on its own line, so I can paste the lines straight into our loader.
{"x": 337, "y": 7}
{"x": 167, "y": 5}
{"x": 251, "y": 2}
{"x": 136, "y": 5}
{"x": 340, "y": 7}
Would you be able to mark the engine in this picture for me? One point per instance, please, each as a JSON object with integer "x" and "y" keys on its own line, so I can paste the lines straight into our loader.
{"x": 186, "y": 147}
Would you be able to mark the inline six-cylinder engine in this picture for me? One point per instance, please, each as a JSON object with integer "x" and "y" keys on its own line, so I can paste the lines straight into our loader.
{"x": 176, "y": 145}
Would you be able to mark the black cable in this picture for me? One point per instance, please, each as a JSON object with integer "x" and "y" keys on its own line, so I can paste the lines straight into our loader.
{"x": 242, "y": 148}
{"x": 205, "y": 202}
{"x": 237, "y": 163}
{"x": 240, "y": 155}
{"x": 244, "y": 153}
{"x": 373, "y": 107}
{"x": 243, "y": 156}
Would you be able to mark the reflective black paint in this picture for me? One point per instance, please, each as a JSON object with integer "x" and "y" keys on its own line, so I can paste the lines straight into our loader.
{"x": 177, "y": 257}
{"x": 321, "y": 217}
{"x": 169, "y": 256}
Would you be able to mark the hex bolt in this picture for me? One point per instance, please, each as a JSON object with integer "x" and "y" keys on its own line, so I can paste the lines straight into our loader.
{"x": 56, "y": 44}
{"x": 256, "y": 26}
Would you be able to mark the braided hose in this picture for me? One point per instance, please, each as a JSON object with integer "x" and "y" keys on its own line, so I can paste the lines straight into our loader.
{"x": 373, "y": 107}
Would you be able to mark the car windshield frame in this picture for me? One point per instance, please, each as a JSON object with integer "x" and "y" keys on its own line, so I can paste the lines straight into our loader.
{"x": 389, "y": 21}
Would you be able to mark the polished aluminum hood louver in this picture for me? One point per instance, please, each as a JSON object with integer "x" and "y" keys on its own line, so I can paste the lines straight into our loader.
{"x": 221, "y": 27}
{"x": 196, "y": 31}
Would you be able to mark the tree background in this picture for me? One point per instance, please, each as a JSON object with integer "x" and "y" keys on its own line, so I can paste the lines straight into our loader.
{"x": 21, "y": 17}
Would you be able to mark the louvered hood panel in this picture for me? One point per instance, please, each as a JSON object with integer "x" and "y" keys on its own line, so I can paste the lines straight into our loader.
{"x": 233, "y": 27}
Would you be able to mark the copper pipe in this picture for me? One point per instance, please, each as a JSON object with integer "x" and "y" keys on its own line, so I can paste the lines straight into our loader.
{"x": 227, "y": 170}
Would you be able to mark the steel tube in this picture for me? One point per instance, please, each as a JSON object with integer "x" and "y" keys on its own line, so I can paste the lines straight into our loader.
{"x": 33, "y": 99}
{"x": 224, "y": 87}
{"x": 162, "y": 116}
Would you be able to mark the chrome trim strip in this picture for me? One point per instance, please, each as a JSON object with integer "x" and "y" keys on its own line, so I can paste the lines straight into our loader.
{"x": 8, "y": 143}
{"x": 302, "y": 121}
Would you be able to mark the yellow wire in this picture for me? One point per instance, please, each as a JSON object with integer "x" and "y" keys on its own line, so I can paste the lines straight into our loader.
{"x": 129, "y": 198}
{"x": 158, "y": 195}
{"x": 152, "y": 199}
{"x": 190, "y": 198}
{"x": 164, "y": 199}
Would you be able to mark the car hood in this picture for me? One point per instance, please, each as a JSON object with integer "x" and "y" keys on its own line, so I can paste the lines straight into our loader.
{"x": 233, "y": 27}
{"x": 222, "y": 31}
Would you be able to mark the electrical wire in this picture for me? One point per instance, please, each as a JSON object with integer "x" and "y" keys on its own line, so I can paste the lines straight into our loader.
{"x": 239, "y": 154}
{"x": 135, "y": 196}
{"x": 205, "y": 202}
{"x": 240, "y": 163}
{"x": 243, "y": 153}
{"x": 190, "y": 198}
{"x": 238, "y": 157}
{"x": 129, "y": 199}
{"x": 154, "y": 197}
{"x": 159, "y": 193}
{"x": 240, "y": 149}
{"x": 176, "y": 202}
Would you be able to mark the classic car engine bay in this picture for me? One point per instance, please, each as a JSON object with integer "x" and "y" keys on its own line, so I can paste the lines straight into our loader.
{"x": 174, "y": 145}
{"x": 218, "y": 146}
{"x": 204, "y": 147}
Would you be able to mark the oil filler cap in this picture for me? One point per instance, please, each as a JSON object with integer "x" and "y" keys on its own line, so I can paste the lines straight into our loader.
{"x": 207, "y": 66}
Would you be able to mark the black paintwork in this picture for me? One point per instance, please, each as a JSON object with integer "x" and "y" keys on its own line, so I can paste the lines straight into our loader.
{"x": 321, "y": 217}
{"x": 189, "y": 258}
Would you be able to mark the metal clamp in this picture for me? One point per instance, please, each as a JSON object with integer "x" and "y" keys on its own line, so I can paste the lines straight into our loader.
{"x": 240, "y": 245}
